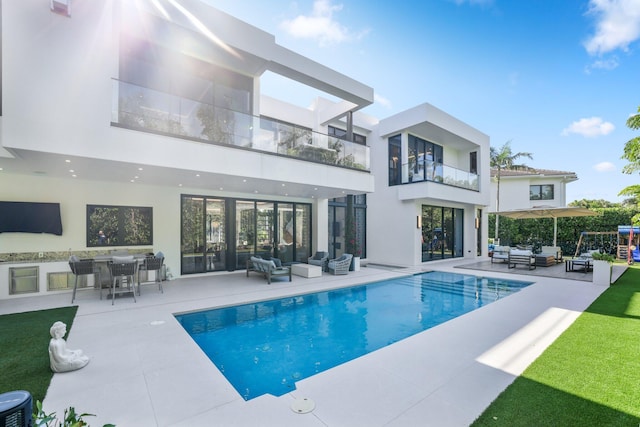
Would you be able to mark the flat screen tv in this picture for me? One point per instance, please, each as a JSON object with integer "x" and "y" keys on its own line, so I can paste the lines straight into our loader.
{"x": 30, "y": 217}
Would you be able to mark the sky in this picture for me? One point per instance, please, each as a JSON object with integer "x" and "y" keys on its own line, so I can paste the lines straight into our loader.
{"x": 556, "y": 78}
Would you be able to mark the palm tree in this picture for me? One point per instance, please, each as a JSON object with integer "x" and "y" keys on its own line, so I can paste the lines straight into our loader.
{"x": 502, "y": 158}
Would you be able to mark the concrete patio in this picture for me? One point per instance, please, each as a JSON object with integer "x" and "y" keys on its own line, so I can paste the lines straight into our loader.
{"x": 146, "y": 371}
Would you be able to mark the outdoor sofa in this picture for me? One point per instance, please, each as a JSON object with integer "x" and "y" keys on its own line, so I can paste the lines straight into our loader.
{"x": 268, "y": 268}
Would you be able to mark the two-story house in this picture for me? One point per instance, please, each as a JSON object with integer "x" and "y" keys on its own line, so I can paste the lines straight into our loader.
{"x": 526, "y": 189}
{"x": 144, "y": 122}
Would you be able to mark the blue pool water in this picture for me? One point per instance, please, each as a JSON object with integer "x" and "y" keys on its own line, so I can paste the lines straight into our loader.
{"x": 267, "y": 346}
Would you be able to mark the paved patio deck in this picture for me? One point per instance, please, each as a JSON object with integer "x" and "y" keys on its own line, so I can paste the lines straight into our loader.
{"x": 146, "y": 371}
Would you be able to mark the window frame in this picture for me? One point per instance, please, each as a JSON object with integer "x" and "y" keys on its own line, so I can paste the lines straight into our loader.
{"x": 539, "y": 191}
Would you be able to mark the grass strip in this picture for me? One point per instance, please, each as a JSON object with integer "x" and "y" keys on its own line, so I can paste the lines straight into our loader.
{"x": 589, "y": 376}
{"x": 24, "y": 344}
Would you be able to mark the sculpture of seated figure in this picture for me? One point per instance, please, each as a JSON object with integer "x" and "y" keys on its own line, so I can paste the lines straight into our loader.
{"x": 61, "y": 358}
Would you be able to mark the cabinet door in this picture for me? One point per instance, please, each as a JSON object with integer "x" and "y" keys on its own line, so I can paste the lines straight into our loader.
{"x": 23, "y": 280}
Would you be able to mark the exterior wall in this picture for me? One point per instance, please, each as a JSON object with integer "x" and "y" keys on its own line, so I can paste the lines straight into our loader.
{"x": 514, "y": 192}
{"x": 392, "y": 233}
{"x": 73, "y": 196}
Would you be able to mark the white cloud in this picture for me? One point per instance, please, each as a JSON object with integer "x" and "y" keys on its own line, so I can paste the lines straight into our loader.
{"x": 617, "y": 25}
{"x": 474, "y": 2}
{"x": 590, "y": 127}
{"x": 382, "y": 100}
{"x": 321, "y": 25}
{"x": 603, "y": 64}
{"x": 604, "y": 167}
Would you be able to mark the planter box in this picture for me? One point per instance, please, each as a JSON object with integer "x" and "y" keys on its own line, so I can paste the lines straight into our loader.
{"x": 601, "y": 273}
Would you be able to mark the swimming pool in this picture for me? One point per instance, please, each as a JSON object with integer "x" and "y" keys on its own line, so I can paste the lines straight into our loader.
{"x": 267, "y": 346}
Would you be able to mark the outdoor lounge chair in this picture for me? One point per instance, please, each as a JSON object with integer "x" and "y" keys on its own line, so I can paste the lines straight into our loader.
{"x": 268, "y": 268}
{"x": 320, "y": 258}
{"x": 340, "y": 265}
{"x": 556, "y": 251}
{"x": 522, "y": 257}
{"x": 500, "y": 253}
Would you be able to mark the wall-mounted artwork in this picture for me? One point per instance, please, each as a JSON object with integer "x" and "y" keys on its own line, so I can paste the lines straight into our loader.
{"x": 119, "y": 225}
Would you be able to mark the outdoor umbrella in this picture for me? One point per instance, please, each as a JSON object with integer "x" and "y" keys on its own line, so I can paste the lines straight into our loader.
{"x": 547, "y": 212}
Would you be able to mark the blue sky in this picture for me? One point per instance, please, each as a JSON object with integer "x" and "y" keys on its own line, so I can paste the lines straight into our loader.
{"x": 557, "y": 78}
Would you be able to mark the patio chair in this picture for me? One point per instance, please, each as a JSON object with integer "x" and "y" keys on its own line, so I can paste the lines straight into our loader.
{"x": 500, "y": 253}
{"x": 340, "y": 265}
{"x": 152, "y": 263}
{"x": 123, "y": 270}
{"x": 321, "y": 259}
{"x": 85, "y": 267}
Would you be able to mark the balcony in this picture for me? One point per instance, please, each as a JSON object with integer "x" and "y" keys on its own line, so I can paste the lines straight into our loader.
{"x": 436, "y": 172}
{"x": 148, "y": 110}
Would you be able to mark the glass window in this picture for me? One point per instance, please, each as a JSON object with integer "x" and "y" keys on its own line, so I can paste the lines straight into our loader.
{"x": 425, "y": 160}
{"x": 395, "y": 160}
{"x": 167, "y": 91}
{"x": 342, "y": 134}
{"x": 541, "y": 192}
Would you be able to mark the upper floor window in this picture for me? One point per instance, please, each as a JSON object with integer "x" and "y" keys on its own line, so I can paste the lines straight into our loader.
{"x": 541, "y": 192}
{"x": 395, "y": 160}
{"x": 342, "y": 134}
{"x": 162, "y": 90}
{"x": 425, "y": 160}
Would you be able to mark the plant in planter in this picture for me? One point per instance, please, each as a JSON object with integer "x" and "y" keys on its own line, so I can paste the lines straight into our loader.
{"x": 602, "y": 268}
{"x": 350, "y": 236}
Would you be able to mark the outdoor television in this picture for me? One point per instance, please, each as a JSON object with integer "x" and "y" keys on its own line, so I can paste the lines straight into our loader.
{"x": 30, "y": 217}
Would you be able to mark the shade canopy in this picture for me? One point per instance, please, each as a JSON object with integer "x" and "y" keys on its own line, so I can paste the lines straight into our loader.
{"x": 547, "y": 212}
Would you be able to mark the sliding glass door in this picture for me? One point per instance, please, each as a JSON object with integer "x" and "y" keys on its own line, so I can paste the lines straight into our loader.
{"x": 442, "y": 235}
{"x": 222, "y": 234}
{"x": 216, "y": 235}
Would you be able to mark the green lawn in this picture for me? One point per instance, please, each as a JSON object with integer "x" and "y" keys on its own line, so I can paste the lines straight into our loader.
{"x": 24, "y": 343}
{"x": 590, "y": 376}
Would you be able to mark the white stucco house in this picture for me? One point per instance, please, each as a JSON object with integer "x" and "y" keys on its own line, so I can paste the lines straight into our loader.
{"x": 526, "y": 189}
{"x": 145, "y": 120}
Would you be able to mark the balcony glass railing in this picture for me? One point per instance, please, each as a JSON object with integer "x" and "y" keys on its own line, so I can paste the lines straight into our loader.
{"x": 138, "y": 107}
{"x": 439, "y": 172}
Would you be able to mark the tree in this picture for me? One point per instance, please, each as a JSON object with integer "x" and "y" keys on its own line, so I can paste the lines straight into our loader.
{"x": 501, "y": 159}
{"x": 632, "y": 154}
{"x": 593, "y": 203}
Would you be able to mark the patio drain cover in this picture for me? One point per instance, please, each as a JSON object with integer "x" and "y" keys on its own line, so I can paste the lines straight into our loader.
{"x": 303, "y": 406}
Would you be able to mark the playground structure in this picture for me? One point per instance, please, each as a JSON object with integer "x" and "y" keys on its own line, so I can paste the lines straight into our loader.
{"x": 620, "y": 242}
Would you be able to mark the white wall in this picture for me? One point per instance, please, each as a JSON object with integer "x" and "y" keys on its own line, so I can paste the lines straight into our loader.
{"x": 514, "y": 192}
{"x": 74, "y": 195}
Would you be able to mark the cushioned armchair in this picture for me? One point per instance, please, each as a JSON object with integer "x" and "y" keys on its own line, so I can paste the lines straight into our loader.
{"x": 340, "y": 265}
{"x": 320, "y": 258}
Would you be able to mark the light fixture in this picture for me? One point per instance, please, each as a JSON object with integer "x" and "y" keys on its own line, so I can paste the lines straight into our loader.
{"x": 62, "y": 7}
{"x": 419, "y": 221}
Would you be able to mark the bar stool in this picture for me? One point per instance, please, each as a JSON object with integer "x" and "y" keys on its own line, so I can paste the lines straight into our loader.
{"x": 125, "y": 272}
{"x": 152, "y": 263}
{"x": 84, "y": 267}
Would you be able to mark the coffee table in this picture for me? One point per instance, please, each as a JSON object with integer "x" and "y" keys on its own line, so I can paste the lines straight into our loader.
{"x": 306, "y": 270}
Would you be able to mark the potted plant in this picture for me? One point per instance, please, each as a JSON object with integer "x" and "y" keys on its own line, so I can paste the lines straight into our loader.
{"x": 602, "y": 268}
{"x": 351, "y": 239}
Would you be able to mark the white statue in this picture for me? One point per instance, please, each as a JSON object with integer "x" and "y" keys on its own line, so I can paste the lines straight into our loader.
{"x": 62, "y": 359}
